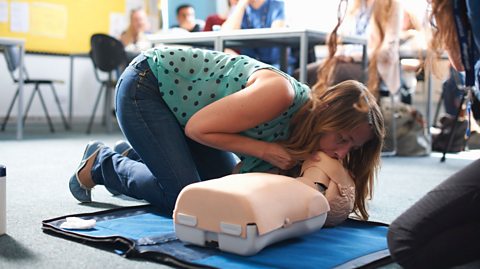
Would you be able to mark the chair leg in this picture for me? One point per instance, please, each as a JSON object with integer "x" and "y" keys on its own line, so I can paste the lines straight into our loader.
{"x": 99, "y": 95}
{"x": 437, "y": 110}
{"x": 45, "y": 109}
{"x": 108, "y": 110}
{"x": 392, "y": 130}
{"x": 29, "y": 104}
{"x": 4, "y": 124}
{"x": 57, "y": 100}
{"x": 105, "y": 107}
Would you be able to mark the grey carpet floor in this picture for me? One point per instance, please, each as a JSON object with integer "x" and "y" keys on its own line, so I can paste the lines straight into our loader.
{"x": 38, "y": 169}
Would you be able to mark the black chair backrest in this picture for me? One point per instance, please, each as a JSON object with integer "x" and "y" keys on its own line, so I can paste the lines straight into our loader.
{"x": 12, "y": 57}
{"x": 107, "y": 52}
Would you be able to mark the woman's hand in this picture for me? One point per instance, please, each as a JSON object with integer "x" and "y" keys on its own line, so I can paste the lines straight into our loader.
{"x": 388, "y": 53}
{"x": 276, "y": 155}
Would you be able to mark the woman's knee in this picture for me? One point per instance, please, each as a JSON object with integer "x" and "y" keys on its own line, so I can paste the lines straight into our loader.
{"x": 401, "y": 242}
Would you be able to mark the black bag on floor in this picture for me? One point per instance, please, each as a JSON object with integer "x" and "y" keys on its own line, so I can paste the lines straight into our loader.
{"x": 411, "y": 133}
{"x": 440, "y": 141}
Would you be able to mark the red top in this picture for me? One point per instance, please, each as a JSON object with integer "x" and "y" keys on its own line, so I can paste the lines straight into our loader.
{"x": 211, "y": 21}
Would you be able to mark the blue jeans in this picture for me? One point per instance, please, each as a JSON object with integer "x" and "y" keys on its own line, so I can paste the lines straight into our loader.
{"x": 168, "y": 160}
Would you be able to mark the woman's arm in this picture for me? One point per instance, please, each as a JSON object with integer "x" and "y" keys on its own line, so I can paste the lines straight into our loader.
{"x": 391, "y": 42}
{"x": 234, "y": 21}
{"x": 125, "y": 38}
{"x": 218, "y": 125}
{"x": 278, "y": 14}
{"x": 388, "y": 64}
{"x": 278, "y": 24}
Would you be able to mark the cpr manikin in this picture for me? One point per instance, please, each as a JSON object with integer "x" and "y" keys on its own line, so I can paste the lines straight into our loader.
{"x": 243, "y": 213}
{"x": 329, "y": 177}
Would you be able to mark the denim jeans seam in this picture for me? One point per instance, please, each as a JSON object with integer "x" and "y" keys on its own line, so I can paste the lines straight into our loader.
{"x": 147, "y": 127}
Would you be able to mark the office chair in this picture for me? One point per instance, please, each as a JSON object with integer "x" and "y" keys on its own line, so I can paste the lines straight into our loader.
{"x": 12, "y": 57}
{"x": 108, "y": 55}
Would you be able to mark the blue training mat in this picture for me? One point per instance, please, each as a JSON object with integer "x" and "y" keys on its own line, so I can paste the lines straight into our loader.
{"x": 142, "y": 232}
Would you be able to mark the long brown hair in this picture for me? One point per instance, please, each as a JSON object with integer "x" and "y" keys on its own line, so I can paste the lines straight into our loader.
{"x": 341, "y": 107}
{"x": 444, "y": 35}
{"x": 381, "y": 12}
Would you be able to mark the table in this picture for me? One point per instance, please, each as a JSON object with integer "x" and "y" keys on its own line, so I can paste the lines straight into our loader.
{"x": 4, "y": 41}
{"x": 300, "y": 38}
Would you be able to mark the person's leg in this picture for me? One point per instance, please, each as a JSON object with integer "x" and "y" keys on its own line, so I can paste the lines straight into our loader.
{"x": 124, "y": 148}
{"x": 442, "y": 229}
{"x": 156, "y": 136}
{"x": 211, "y": 163}
{"x": 451, "y": 93}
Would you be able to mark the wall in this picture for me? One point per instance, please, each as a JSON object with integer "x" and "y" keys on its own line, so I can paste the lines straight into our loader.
{"x": 85, "y": 86}
{"x": 76, "y": 36}
{"x": 303, "y": 13}
{"x": 58, "y": 26}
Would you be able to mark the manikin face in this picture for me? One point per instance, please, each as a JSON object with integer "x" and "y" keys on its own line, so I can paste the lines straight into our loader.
{"x": 338, "y": 144}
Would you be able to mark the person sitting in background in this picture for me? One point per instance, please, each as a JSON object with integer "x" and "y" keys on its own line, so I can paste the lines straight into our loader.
{"x": 412, "y": 43}
{"x": 133, "y": 38}
{"x": 254, "y": 14}
{"x": 380, "y": 23}
{"x": 186, "y": 19}
{"x": 216, "y": 20}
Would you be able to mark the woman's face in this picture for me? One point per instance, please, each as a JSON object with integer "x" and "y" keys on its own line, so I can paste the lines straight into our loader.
{"x": 338, "y": 144}
{"x": 139, "y": 21}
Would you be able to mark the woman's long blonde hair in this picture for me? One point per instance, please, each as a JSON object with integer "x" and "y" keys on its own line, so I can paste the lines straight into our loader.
{"x": 381, "y": 13}
{"x": 444, "y": 36}
{"x": 338, "y": 108}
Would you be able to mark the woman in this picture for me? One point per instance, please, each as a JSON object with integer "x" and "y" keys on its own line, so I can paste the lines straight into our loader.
{"x": 380, "y": 23}
{"x": 185, "y": 110}
{"x": 133, "y": 38}
{"x": 258, "y": 14}
{"x": 215, "y": 21}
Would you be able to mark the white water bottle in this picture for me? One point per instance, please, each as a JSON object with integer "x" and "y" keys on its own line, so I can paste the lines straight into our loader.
{"x": 3, "y": 199}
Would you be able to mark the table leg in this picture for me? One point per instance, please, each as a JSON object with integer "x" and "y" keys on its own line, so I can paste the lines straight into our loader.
{"x": 284, "y": 59}
{"x": 218, "y": 44}
{"x": 303, "y": 57}
{"x": 428, "y": 115}
{"x": 108, "y": 105}
{"x": 70, "y": 97}
{"x": 364, "y": 64}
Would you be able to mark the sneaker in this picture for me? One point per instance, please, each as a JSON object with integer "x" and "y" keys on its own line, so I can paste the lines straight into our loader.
{"x": 80, "y": 192}
{"x": 122, "y": 147}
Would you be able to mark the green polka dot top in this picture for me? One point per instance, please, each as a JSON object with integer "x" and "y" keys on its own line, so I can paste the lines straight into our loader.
{"x": 190, "y": 79}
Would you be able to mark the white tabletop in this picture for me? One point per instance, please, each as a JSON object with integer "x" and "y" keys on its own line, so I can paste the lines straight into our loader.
{"x": 7, "y": 41}
{"x": 301, "y": 38}
{"x": 273, "y": 35}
